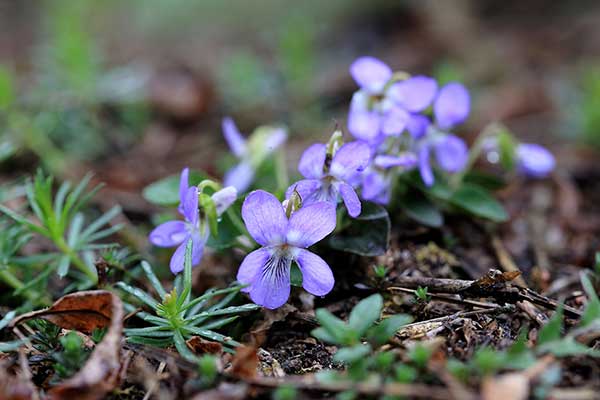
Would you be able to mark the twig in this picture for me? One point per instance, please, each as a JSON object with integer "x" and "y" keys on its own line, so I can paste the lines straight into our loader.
{"x": 505, "y": 259}
{"x": 155, "y": 383}
{"x": 487, "y": 286}
{"x": 449, "y": 298}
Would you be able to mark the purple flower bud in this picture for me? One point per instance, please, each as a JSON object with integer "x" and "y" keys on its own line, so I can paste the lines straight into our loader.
{"x": 370, "y": 74}
{"x": 534, "y": 160}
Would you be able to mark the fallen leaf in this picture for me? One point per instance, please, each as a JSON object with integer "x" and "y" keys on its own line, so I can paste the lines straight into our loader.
{"x": 201, "y": 346}
{"x": 86, "y": 311}
{"x": 81, "y": 311}
{"x": 245, "y": 362}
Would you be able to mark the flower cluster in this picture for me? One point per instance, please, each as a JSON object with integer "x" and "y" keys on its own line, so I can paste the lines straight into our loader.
{"x": 400, "y": 123}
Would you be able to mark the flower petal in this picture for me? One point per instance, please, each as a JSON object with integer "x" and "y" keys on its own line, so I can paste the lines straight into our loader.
{"x": 275, "y": 139}
{"x": 240, "y": 177}
{"x": 417, "y": 125}
{"x": 234, "y": 138}
{"x": 271, "y": 285}
{"x": 183, "y": 187}
{"x": 395, "y": 121}
{"x": 168, "y": 234}
{"x": 305, "y": 188}
{"x": 312, "y": 161}
{"x": 406, "y": 160}
{"x": 317, "y": 277}
{"x": 376, "y": 187}
{"x": 350, "y": 159}
{"x": 451, "y": 153}
{"x": 452, "y": 105}
{"x": 425, "y": 166}
{"x": 178, "y": 259}
{"x": 414, "y": 94}
{"x": 190, "y": 205}
{"x": 370, "y": 74}
{"x": 364, "y": 125}
{"x": 351, "y": 200}
{"x": 311, "y": 223}
{"x": 251, "y": 265}
{"x": 265, "y": 218}
{"x": 224, "y": 198}
{"x": 534, "y": 160}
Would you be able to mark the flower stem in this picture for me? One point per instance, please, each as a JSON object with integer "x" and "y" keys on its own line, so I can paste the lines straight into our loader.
{"x": 281, "y": 171}
{"x": 11, "y": 280}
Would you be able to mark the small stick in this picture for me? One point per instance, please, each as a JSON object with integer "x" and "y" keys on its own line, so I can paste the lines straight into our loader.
{"x": 506, "y": 260}
{"x": 156, "y": 383}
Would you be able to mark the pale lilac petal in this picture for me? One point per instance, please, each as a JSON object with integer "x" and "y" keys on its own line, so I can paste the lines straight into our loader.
{"x": 311, "y": 223}
{"x": 224, "y": 198}
{"x": 370, "y": 74}
{"x": 317, "y": 277}
{"x": 312, "y": 161}
{"x": 350, "y": 159}
{"x": 395, "y": 121}
{"x": 425, "y": 166}
{"x": 190, "y": 205}
{"x": 306, "y": 188}
{"x": 405, "y": 160}
{"x": 417, "y": 125}
{"x": 271, "y": 285}
{"x": 534, "y": 160}
{"x": 275, "y": 139}
{"x": 234, "y": 138}
{"x": 451, "y": 153}
{"x": 364, "y": 125}
{"x": 251, "y": 265}
{"x": 414, "y": 94}
{"x": 265, "y": 218}
{"x": 240, "y": 177}
{"x": 452, "y": 105}
{"x": 377, "y": 188}
{"x": 351, "y": 200}
{"x": 183, "y": 187}
{"x": 168, "y": 234}
{"x": 178, "y": 259}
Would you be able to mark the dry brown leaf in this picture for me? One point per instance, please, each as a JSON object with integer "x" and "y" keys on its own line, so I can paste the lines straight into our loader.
{"x": 245, "y": 362}
{"x": 201, "y": 346}
{"x": 86, "y": 311}
{"x": 82, "y": 311}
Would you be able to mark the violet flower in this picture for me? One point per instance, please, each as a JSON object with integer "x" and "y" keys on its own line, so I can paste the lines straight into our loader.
{"x": 250, "y": 152}
{"x": 382, "y": 107}
{"x": 534, "y": 160}
{"x": 284, "y": 240}
{"x": 328, "y": 179}
{"x": 451, "y": 107}
{"x": 178, "y": 233}
{"x": 377, "y": 179}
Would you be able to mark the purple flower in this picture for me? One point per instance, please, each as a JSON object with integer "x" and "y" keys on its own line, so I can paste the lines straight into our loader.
{"x": 178, "y": 233}
{"x": 451, "y": 154}
{"x": 250, "y": 153}
{"x": 534, "y": 160}
{"x": 283, "y": 240}
{"x": 452, "y": 105}
{"x": 381, "y": 108}
{"x": 377, "y": 179}
{"x": 330, "y": 181}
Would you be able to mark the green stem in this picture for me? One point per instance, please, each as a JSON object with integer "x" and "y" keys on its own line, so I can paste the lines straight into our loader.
{"x": 76, "y": 260}
{"x": 7, "y": 277}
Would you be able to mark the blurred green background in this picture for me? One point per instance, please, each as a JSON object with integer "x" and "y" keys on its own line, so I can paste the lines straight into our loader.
{"x": 135, "y": 90}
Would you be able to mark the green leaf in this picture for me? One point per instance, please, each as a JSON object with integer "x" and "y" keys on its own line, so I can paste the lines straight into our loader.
{"x": 567, "y": 347}
{"x": 323, "y": 335}
{"x": 227, "y": 231}
{"x": 295, "y": 276}
{"x": 365, "y": 313}
{"x": 592, "y": 309}
{"x": 479, "y": 202}
{"x": 551, "y": 331}
{"x": 381, "y": 333}
{"x": 7, "y": 318}
{"x": 485, "y": 180}
{"x": 421, "y": 209}
{"x": 154, "y": 281}
{"x": 138, "y": 293}
{"x": 366, "y": 235}
{"x": 334, "y": 326}
{"x": 183, "y": 348}
{"x": 165, "y": 192}
{"x": 349, "y": 355}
